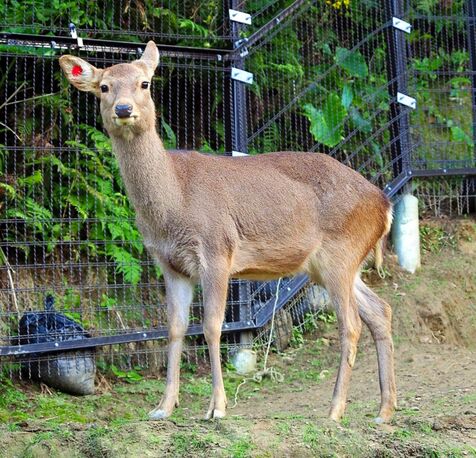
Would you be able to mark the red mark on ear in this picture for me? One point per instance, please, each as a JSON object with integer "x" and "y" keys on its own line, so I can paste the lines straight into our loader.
{"x": 76, "y": 70}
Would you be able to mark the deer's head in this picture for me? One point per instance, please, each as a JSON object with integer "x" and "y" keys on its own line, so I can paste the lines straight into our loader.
{"x": 126, "y": 105}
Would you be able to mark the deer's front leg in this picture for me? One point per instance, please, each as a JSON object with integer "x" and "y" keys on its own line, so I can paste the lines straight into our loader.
{"x": 179, "y": 293}
{"x": 215, "y": 286}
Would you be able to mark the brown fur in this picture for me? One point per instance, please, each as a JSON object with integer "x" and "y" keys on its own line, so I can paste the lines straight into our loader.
{"x": 207, "y": 218}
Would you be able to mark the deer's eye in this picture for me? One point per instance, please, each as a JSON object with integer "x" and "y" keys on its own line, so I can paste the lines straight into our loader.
{"x": 144, "y": 85}
{"x": 104, "y": 88}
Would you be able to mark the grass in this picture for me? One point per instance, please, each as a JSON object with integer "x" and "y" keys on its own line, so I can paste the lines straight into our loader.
{"x": 111, "y": 424}
{"x": 272, "y": 419}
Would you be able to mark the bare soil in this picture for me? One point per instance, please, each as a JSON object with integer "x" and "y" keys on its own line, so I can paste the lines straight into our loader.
{"x": 435, "y": 343}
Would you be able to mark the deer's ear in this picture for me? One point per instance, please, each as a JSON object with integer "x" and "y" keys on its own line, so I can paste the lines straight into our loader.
{"x": 80, "y": 74}
{"x": 150, "y": 57}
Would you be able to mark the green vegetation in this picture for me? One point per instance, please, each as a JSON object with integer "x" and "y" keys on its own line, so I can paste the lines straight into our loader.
{"x": 433, "y": 238}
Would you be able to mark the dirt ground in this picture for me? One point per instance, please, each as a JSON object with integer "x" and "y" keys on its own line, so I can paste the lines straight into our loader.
{"x": 435, "y": 343}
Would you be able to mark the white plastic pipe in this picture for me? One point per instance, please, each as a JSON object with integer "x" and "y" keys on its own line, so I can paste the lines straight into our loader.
{"x": 406, "y": 233}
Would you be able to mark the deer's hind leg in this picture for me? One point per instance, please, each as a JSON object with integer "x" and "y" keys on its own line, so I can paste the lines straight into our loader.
{"x": 337, "y": 276}
{"x": 377, "y": 315}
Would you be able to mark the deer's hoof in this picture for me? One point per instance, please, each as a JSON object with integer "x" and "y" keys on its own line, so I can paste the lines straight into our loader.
{"x": 215, "y": 413}
{"x": 158, "y": 414}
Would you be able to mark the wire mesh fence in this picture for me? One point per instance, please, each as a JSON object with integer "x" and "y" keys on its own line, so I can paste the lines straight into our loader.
{"x": 441, "y": 77}
{"x": 446, "y": 196}
{"x": 326, "y": 77}
{"x": 67, "y": 227}
{"x": 201, "y": 22}
{"x": 322, "y": 84}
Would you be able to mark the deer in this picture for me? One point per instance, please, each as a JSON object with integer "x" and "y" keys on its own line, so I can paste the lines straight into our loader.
{"x": 208, "y": 218}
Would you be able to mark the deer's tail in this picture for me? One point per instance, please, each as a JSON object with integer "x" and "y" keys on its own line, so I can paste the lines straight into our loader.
{"x": 380, "y": 246}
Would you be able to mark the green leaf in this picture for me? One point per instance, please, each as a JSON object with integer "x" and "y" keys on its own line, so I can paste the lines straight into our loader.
{"x": 77, "y": 204}
{"x": 353, "y": 62}
{"x": 347, "y": 96}
{"x": 108, "y": 302}
{"x": 360, "y": 122}
{"x": 171, "y": 140}
{"x": 126, "y": 263}
{"x": 117, "y": 372}
{"x": 459, "y": 135}
{"x": 327, "y": 124}
{"x": 10, "y": 190}
{"x": 133, "y": 376}
{"x": 31, "y": 180}
{"x": 377, "y": 154}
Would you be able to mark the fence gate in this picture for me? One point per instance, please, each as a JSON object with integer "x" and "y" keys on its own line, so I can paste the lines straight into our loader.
{"x": 384, "y": 86}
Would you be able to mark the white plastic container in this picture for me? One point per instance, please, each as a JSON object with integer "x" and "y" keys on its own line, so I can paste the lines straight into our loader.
{"x": 406, "y": 233}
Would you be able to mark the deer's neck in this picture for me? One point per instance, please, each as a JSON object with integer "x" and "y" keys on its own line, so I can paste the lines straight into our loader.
{"x": 148, "y": 174}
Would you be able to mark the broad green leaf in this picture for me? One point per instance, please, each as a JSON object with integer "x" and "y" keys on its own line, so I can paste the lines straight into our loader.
{"x": 360, "y": 122}
{"x": 347, "y": 96}
{"x": 133, "y": 376}
{"x": 117, "y": 372}
{"x": 327, "y": 124}
{"x": 352, "y": 61}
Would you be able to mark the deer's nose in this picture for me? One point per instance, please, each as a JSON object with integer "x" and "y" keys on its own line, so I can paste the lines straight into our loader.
{"x": 123, "y": 111}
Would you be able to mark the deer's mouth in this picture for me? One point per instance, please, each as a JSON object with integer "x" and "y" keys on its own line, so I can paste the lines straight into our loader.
{"x": 124, "y": 121}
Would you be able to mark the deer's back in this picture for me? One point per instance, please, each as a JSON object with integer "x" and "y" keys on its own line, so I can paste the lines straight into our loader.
{"x": 312, "y": 182}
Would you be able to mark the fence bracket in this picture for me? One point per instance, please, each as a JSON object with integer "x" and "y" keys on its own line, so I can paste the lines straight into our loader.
{"x": 406, "y": 100}
{"x": 400, "y": 24}
{"x": 243, "y": 50}
{"x": 239, "y": 16}
{"x": 241, "y": 75}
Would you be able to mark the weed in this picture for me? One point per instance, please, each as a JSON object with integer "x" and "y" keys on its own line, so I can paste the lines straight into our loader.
{"x": 311, "y": 436}
{"x": 345, "y": 422}
{"x": 187, "y": 444}
{"x": 402, "y": 433}
{"x": 426, "y": 428}
{"x": 43, "y": 436}
{"x": 434, "y": 238}
{"x": 283, "y": 428}
{"x": 297, "y": 338}
{"x": 469, "y": 398}
{"x": 241, "y": 448}
{"x": 130, "y": 376}
{"x": 94, "y": 446}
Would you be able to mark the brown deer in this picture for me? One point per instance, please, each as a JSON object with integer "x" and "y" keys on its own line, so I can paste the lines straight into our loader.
{"x": 206, "y": 219}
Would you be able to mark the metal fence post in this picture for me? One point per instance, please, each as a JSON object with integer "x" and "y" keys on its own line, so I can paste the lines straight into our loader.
{"x": 471, "y": 33}
{"x": 398, "y": 83}
{"x": 238, "y": 142}
{"x": 238, "y": 111}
